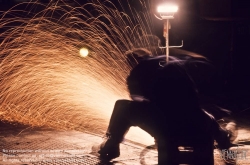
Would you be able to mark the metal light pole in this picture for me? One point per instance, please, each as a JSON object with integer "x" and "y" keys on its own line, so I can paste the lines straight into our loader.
{"x": 167, "y": 12}
{"x": 166, "y": 35}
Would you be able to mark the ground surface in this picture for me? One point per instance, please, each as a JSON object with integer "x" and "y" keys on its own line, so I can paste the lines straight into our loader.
{"x": 22, "y": 145}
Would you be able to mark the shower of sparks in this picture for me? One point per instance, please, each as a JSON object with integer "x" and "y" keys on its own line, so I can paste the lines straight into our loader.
{"x": 44, "y": 81}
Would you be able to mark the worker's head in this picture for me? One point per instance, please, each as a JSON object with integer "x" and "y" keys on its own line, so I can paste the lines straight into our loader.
{"x": 161, "y": 82}
{"x": 136, "y": 55}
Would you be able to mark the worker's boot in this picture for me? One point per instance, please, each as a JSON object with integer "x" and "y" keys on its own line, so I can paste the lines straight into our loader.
{"x": 227, "y": 136}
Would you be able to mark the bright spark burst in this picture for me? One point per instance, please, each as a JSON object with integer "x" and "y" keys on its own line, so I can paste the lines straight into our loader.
{"x": 44, "y": 81}
{"x": 84, "y": 52}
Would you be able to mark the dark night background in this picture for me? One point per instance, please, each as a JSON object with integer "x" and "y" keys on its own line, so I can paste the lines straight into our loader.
{"x": 219, "y": 30}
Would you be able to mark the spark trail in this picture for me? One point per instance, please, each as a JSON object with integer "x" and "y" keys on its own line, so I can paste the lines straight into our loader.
{"x": 43, "y": 79}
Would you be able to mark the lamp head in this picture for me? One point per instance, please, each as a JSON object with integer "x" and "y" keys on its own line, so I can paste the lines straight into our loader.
{"x": 167, "y": 10}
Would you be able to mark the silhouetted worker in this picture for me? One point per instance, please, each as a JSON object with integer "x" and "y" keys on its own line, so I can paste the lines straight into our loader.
{"x": 166, "y": 105}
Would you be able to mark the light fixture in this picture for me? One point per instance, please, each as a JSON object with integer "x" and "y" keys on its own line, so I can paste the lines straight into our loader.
{"x": 167, "y": 12}
{"x": 167, "y": 8}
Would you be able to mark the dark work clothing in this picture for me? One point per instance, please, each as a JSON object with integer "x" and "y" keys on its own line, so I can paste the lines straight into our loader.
{"x": 155, "y": 119}
{"x": 159, "y": 82}
{"x": 178, "y": 82}
{"x": 169, "y": 110}
{"x": 144, "y": 76}
{"x": 196, "y": 130}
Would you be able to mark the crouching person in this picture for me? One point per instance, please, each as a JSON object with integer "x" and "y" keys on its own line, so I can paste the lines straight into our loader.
{"x": 165, "y": 104}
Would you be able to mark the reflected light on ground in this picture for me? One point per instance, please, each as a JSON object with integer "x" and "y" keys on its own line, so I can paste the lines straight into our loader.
{"x": 140, "y": 136}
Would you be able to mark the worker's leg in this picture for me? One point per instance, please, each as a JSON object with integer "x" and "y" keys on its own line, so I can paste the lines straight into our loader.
{"x": 126, "y": 114}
